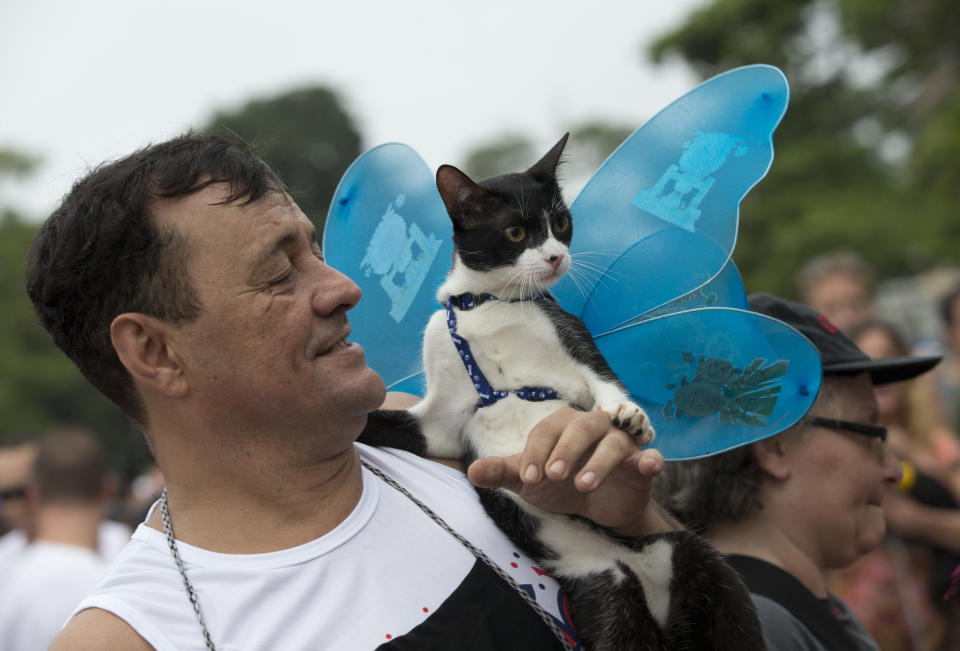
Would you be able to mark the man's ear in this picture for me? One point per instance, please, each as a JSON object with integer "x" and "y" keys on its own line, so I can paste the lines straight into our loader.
{"x": 144, "y": 347}
{"x": 771, "y": 457}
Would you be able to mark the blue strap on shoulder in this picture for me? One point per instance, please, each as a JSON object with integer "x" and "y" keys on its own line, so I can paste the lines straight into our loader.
{"x": 487, "y": 394}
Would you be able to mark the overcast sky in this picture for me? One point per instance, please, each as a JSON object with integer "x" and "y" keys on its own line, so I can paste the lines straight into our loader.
{"x": 82, "y": 82}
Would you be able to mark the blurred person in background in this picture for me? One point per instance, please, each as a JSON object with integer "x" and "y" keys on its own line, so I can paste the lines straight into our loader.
{"x": 790, "y": 508}
{"x": 838, "y": 285}
{"x": 945, "y": 382}
{"x": 18, "y": 514}
{"x": 16, "y": 472}
{"x": 61, "y": 564}
{"x": 897, "y": 589}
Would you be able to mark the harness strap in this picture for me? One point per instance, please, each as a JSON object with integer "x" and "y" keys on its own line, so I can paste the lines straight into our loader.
{"x": 487, "y": 394}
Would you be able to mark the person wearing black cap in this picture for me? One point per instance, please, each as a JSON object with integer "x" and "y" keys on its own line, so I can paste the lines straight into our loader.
{"x": 788, "y": 509}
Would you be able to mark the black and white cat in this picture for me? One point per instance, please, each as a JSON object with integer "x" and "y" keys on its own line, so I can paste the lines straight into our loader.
{"x": 503, "y": 355}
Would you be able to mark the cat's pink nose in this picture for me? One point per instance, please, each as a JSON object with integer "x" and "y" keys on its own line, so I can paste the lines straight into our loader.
{"x": 555, "y": 260}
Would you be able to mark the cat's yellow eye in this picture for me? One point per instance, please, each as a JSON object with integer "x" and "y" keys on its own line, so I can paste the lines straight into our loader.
{"x": 561, "y": 223}
{"x": 515, "y": 233}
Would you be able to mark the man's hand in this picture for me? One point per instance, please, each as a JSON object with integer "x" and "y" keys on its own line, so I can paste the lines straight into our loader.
{"x": 576, "y": 462}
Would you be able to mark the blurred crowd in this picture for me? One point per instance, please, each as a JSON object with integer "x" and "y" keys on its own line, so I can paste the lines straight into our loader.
{"x": 56, "y": 491}
{"x": 57, "y": 541}
{"x": 897, "y": 591}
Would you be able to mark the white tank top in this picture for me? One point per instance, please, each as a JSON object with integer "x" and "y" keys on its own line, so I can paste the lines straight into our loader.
{"x": 383, "y": 572}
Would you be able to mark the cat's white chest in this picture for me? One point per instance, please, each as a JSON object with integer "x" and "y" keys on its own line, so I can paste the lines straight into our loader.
{"x": 508, "y": 346}
{"x": 515, "y": 345}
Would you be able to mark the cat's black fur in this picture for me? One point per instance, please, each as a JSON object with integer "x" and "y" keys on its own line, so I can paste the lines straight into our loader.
{"x": 708, "y": 606}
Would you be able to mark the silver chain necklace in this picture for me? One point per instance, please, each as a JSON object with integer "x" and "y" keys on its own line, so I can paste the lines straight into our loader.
{"x": 476, "y": 551}
{"x": 191, "y": 593}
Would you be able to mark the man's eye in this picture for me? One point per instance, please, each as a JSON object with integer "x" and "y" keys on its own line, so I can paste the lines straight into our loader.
{"x": 284, "y": 278}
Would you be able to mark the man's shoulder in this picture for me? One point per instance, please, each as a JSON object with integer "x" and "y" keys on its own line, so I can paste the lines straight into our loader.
{"x": 384, "y": 458}
{"x": 98, "y": 629}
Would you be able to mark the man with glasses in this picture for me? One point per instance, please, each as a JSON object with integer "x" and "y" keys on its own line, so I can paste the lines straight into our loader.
{"x": 790, "y": 508}
{"x": 16, "y": 471}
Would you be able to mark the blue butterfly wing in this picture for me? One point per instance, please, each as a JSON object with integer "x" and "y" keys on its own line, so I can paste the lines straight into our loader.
{"x": 714, "y": 378}
{"x": 658, "y": 223}
{"x": 388, "y": 230}
{"x": 659, "y": 218}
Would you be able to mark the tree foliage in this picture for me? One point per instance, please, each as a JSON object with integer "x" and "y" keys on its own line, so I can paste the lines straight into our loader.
{"x": 589, "y": 145}
{"x": 305, "y": 135}
{"x": 866, "y": 155}
{"x": 39, "y": 386}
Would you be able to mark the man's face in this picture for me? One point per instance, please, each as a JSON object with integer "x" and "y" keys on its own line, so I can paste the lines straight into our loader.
{"x": 838, "y": 478}
{"x": 877, "y": 344}
{"x": 842, "y": 297}
{"x": 268, "y": 353}
{"x": 16, "y": 473}
{"x": 953, "y": 330}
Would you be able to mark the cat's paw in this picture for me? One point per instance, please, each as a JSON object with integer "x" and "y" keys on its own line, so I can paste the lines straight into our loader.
{"x": 631, "y": 419}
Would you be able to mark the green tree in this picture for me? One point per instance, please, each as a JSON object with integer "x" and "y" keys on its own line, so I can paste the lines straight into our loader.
{"x": 305, "y": 135}
{"x": 511, "y": 152}
{"x": 589, "y": 145}
{"x": 39, "y": 386}
{"x": 865, "y": 157}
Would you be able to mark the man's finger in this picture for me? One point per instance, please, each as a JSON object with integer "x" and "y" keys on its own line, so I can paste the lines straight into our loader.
{"x": 610, "y": 453}
{"x": 496, "y": 472}
{"x": 541, "y": 442}
{"x": 581, "y": 434}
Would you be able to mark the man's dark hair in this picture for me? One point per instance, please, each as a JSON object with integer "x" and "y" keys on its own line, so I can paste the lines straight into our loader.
{"x": 101, "y": 254}
{"x": 69, "y": 467}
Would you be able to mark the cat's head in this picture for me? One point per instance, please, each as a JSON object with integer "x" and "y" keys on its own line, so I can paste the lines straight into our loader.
{"x": 515, "y": 229}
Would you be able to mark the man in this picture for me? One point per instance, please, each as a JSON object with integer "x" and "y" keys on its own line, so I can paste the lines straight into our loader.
{"x": 16, "y": 523}
{"x": 61, "y": 565}
{"x": 839, "y": 285}
{"x": 189, "y": 288}
{"x": 789, "y": 508}
{"x": 19, "y": 514}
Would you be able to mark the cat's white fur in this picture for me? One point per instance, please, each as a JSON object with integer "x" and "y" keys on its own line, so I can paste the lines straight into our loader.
{"x": 515, "y": 345}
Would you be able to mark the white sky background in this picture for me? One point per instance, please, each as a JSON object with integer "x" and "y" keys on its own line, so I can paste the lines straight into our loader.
{"x": 86, "y": 81}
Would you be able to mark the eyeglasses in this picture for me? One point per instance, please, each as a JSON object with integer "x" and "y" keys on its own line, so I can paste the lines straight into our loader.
{"x": 873, "y": 431}
{"x": 13, "y": 493}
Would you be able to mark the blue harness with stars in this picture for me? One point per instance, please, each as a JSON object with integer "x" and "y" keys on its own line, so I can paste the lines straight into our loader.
{"x": 487, "y": 394}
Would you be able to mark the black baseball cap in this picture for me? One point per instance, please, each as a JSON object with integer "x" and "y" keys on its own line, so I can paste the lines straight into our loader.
{"x": 838, "y": 354}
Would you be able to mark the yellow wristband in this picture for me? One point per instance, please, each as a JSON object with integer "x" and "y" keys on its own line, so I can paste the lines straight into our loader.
{"x": 908, "y": 477}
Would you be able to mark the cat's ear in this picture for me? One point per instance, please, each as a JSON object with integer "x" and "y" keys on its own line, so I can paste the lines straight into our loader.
{"x": 459, "y": 193}
{"x": 546, "y": 167}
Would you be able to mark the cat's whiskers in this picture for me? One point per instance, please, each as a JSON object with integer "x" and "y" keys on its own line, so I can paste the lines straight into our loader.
{"x": 514, "y": 282}
{"x": 593, "y": 274}
{"x": 603, "y": 269}
{"x": 605, "y": 252}
{"x": 587, "y": 270}
{"x": 577, "y": 283}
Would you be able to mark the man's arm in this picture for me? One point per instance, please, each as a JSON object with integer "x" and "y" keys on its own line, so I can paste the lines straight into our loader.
{"x": 94, "y": 629}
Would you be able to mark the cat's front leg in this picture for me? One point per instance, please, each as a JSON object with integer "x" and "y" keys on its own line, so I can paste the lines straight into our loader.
{"x": 632, "y": 419}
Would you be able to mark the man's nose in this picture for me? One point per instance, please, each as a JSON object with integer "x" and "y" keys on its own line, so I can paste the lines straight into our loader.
{"x": 333, "y": 291}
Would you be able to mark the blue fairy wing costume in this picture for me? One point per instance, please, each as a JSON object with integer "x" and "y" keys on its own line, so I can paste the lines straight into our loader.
{"x": 656, "y": 226}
